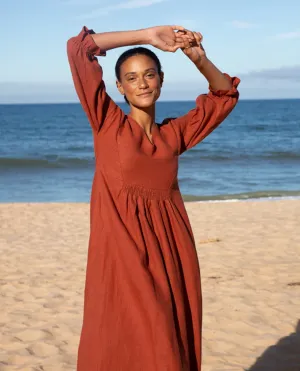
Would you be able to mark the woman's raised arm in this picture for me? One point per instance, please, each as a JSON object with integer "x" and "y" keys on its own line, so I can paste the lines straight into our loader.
{"x": 211, "y": 108}
{"x": 87, "y": 73}
{"x": 87, "y": 76}
{"x": 165, "y": 38}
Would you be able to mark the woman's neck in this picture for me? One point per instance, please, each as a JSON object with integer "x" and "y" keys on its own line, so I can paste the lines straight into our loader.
{"x": 145, "y": 117}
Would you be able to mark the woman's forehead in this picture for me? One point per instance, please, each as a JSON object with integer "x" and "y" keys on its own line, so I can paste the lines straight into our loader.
{"x": 138, "y": 63}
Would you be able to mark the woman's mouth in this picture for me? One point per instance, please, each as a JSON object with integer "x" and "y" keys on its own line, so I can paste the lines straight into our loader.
{"x": 145, "y": 94}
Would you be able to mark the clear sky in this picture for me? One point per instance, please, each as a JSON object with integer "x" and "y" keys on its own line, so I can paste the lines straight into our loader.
{"x": 259, "y": 41}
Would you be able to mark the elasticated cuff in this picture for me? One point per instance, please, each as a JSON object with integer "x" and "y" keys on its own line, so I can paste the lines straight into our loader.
{"x": 88, "y": 42}
{"x": 231, "y": 92}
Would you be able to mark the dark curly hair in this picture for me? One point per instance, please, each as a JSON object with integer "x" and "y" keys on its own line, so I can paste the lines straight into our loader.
{"x": 132, "y": 52}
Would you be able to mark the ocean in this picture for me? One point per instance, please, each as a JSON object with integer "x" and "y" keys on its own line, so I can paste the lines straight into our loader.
{"x": 46, "y": 153}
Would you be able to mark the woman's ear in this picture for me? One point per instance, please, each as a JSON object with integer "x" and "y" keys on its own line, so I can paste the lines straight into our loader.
{"x": 162, "y": 75}
{"x": 120, "y": 87}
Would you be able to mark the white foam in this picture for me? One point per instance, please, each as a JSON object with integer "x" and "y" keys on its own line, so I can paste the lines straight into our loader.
{"x": 252, "y": 199}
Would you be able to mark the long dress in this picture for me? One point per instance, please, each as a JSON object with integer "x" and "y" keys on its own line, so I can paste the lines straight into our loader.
{"x": 142, "y": 302}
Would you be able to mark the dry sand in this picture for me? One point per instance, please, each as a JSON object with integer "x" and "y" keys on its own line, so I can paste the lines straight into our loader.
{"x": 250, "y": 262}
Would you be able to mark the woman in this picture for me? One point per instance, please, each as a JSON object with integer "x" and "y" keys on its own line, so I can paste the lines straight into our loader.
{"x": 142, "y": 309}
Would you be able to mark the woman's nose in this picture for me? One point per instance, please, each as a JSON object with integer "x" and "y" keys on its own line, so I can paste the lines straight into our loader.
{"x": 143, "y": 84}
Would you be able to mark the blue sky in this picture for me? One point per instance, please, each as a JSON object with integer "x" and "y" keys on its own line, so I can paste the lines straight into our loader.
{"x": 259, "y": 41}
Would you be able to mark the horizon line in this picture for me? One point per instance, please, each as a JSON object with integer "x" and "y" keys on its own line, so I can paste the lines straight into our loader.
{"x": 123, "y": 102}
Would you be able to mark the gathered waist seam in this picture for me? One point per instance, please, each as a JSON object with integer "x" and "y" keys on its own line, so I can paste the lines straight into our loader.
{"x": 149, "y": 193}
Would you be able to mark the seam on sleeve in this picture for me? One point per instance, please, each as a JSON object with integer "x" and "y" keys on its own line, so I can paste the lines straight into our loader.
{"x": 94, "y": 124}
{"x": 178, "y": 149}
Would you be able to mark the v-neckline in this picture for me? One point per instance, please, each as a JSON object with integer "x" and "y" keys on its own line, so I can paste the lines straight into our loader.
{"x": 153, "y": 127}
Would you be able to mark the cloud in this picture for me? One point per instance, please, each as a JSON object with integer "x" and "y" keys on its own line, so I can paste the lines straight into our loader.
{"x": 242, "y": 24}
{"x": 130, "y": 4}
{"x": 288, "y": 35}
{"x": 291, "y": 74}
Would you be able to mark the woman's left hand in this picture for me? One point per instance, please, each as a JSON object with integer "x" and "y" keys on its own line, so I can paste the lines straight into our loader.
{"x": 193, "y": 50}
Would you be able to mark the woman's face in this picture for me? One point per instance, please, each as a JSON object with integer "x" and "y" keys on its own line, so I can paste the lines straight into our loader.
{"x": 140, "y": 81}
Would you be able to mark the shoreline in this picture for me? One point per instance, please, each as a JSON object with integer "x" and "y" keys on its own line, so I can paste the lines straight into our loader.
{"x": 260, "y": 199}
{"x": 186, "y": 198}
{"x": 247, "y": 196}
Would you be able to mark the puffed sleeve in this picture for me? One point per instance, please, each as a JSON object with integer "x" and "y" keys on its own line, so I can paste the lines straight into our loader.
{"x": 211, "y": 109}
{"x": 87, "y": 76}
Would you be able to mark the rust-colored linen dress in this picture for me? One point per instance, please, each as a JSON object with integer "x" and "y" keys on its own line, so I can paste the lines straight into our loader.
{"x": 143, "y": 307}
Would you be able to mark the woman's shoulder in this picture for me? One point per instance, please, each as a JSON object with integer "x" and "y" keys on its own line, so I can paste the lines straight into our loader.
{"x": 166, "y": 122}
{"x": 166, "y": 127}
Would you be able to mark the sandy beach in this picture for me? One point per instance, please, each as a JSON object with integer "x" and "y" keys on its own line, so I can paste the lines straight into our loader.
{"x": 249, "y": 255}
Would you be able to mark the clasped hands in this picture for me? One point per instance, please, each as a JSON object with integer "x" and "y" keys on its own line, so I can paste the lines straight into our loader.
{"x": 172, "y": 38}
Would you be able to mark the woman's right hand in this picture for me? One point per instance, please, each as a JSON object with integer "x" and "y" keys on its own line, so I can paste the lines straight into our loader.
{"x": 167, "y": 38}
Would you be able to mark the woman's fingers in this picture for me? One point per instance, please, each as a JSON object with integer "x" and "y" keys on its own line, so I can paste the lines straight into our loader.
{"x": 184, "y": 31}
{"x": 182, "y": 38}
{"x": 178, "y": 28}
{"x": 180, "y": 43}
{"x": 183, "y": 42}
{"x": 195, "y": 38}
{"x": 185, "y": 39}
{"x": 187, "y": 34}
{"x": 198, "y": 37}
{"x": 186, "y": 43}
{"x": 190, "y": 34}
{"x": 180, "y": 35}
{"x": 173, "y": 48}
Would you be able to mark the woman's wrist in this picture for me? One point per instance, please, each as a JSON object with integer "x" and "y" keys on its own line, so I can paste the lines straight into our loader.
{"x": 143, "y": 36}
{"x": 202, "y": 62}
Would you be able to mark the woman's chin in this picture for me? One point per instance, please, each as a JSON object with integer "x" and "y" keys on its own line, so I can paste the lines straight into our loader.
{"x": 146, "y": 104}
{"x": 145, "y": 101}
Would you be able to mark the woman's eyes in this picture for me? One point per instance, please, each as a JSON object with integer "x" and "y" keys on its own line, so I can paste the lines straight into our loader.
{"x": 149, "y": 75}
